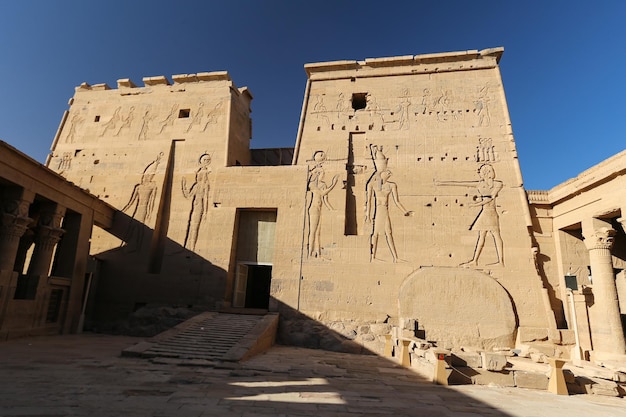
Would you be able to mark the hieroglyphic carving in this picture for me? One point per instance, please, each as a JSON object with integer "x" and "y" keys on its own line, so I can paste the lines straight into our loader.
{"x": 485, "y": 151}
{"x": 487, "y": 220}
{"x": 65, "y": 162}
{"x": 378, "y": 189}
{"x": 142, "y": 203}
{"x": 317, "y": 195}
{"x": 169, "y": 120}
{"x": 74, "y": 122}
{"x": 126, "y": 121}
{"x": 112, "y": 123}
{"x": 199, "y": 194}
{"x": 145, "y": 123}
{"x": 197, "y": 118}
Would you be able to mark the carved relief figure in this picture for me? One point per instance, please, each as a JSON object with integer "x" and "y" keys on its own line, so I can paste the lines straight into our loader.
{"x": 318, "y": 192}
{"x": 320, "y": 111}
{"x": 142, "y": 201}
{"x": 442, "y": 105}
{"x": 482, "y": 107}
{"x": 112, "y": 123}
{"x": 378, "y": 190}
{"x": 76, "y": 120}
{"x": 375, "y": 115}
{"x": 197, "y": 118}
{"x": 199, "y": 195}
{"x": 487, "y": 220}
{"x": 403, "y": 110}
{"x": 145, "y": 124}
{"x": 213, "y": 115}
{"x": 426, "y": 101}
{"x": 169, "y": 120}
{"x": 126, "y": 121}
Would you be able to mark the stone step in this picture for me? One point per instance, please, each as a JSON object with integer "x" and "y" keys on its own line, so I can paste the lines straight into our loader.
{"x": 212, "y": 336}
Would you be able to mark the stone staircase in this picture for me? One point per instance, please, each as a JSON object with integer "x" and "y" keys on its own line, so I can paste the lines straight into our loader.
{"x": 211, "y": 337}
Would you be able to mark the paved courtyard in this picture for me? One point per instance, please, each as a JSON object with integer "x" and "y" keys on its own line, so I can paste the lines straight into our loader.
{"x": 84, "y": 375}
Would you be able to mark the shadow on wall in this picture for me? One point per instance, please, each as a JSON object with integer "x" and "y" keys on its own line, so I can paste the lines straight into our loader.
{"x": 146, "y": 270}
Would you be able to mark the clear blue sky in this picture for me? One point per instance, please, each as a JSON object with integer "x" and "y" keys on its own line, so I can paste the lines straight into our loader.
{"x": 563, "y": 66}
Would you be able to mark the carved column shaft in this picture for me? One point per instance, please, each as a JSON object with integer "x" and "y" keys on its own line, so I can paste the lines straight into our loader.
{"x": 47, "y": 237}
{"x": 606, "y": 326}
{"x": 14, "y": 221}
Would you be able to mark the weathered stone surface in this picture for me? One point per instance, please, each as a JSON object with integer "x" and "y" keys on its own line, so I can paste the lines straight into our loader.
{"x": 502, "y": 379}
{"x": 477, "y": 310}
{"x": 493, "y": 361}
{"x": 605, "y": 388}
{"x": 532, "y": 334}
{"x": 524, "y": 379}
{"x": 442, "y": 246}
{"x": 466, "y": 359}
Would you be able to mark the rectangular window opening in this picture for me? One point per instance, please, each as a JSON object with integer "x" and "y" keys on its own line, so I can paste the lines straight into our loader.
{"x": 184, "y": 113}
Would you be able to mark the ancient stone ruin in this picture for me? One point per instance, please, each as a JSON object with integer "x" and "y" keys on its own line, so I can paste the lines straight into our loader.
{"x": 401, "y": 210}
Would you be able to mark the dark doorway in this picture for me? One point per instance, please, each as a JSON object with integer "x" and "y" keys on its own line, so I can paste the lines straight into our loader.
{"x": 258, "y": 288}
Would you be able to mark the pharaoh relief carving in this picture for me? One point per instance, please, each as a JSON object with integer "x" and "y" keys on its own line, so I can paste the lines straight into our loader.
{"x": 169, "y": 119}
{"x": 344, "y": 112}
{"x": 321, "y": 114}
{"x": 317, "y": 197}
{"x": 402, "y": 110}
{"x": 487, "y": 220}
{"x": 481, "y": 107}
{"x": 75, "y": 121}
{"x": 378, "y": 191}
{"x": 127, "y": 121}
{"x": 198, "y": 193}
{"x": 111, "y": 124}
{"x": 197, "y": 117}
{"x": 146, "y": 120}
{"x": 213, "y": 116}
{"x": 141, "y": 203}
{"x": 375, "y": 118}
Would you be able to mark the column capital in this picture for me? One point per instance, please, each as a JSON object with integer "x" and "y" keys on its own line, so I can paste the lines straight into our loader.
{"x": 13, "y": 227}
{"x": 600, "y": 238}
{"x": 47, "y": 236}
{"x": 14, "y": 220}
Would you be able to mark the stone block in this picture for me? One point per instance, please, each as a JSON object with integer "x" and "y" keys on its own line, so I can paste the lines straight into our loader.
{"x": 501, "y": 379}
{"x": 538, "y": 357}
{"x": 533, "y": 380}
{"x": 568, "y": 337}
{"x": 380, "y": 329}
{"x": 469, "y": 359}
{"x": 493, "y": 361}
{"x": 532, "y": 334}
{"x": 605, "y": 388}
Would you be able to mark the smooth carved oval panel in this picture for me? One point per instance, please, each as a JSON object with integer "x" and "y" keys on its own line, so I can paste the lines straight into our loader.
{"x": 458, "y": 307}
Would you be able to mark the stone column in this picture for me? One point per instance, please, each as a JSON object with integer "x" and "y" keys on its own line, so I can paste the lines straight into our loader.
{"x": 14, "y": 221}
{"x": 604, "y": 316}
{"x": 47, "y": 235}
